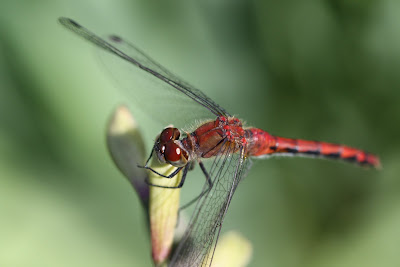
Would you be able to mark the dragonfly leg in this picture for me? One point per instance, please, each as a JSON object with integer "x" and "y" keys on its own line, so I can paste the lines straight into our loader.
{"x": 203, "y": 169}
{"x": 169, "y": 177}
{"x": 172, "y": 175}
{"x": 210, "y": 185}
{"x": 151, "y": 155}
{"x": 146, "y": 165}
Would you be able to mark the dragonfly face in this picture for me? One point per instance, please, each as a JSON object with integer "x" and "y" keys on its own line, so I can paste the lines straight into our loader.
{"x": 169, "y": 148}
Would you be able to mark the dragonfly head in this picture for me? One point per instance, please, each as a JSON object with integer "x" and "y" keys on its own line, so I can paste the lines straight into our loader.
{"x": 169, "y": 149}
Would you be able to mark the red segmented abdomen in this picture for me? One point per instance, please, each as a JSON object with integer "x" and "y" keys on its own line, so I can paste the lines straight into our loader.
{"x": 262, "y": 143}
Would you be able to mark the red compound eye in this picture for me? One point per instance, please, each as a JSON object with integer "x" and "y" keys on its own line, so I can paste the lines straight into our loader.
{"x": 169, "y": 134}
{"x": 172, "y": 152}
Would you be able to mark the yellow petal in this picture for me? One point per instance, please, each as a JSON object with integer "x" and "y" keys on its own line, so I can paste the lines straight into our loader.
{"x": 163, "y": 209}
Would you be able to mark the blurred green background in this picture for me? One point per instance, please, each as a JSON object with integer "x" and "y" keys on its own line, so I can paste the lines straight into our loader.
{"x": 321, "y": 70}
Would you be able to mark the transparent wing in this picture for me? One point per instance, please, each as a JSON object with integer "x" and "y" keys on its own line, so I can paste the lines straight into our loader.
{"x": 198, "y": 244}
{"x": 156, "y": 90}
{"x": 151, "y": 86}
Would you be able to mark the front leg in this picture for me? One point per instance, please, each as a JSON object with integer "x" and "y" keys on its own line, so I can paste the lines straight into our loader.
{"x": 172, "y": 175}
{"x": 186, "y": 168}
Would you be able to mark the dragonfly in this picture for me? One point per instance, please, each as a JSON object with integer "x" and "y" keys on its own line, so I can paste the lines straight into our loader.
{"x": 222, "y": 139}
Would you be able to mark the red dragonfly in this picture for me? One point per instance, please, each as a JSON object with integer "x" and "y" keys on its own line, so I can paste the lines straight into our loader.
{"x": 225, "y": 140}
